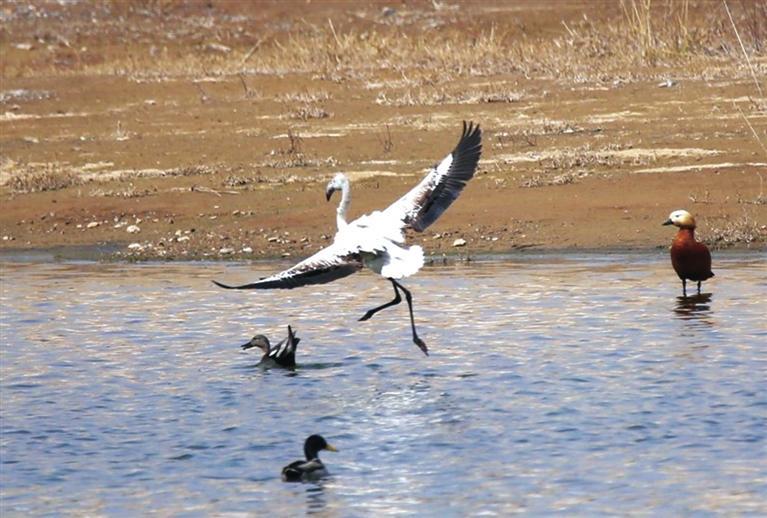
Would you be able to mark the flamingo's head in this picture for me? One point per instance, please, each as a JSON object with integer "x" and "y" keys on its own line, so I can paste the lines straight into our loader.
{"x": 681, "y": 219}
{"x": 338, "y": 183}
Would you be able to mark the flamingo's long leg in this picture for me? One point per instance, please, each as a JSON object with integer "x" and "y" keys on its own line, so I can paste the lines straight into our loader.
{"x": 409, "y": 298}
{"x": 397, "y": 300}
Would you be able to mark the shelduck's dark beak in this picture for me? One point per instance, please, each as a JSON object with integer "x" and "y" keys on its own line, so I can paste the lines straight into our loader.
{"x": 668, "y": 222}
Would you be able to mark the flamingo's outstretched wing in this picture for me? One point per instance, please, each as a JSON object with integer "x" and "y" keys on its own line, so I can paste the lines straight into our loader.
{"x": 330, "y": 263}
{"x": 423, "y": 204}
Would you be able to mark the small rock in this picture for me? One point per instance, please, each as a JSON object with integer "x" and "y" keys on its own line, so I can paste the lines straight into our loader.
{"x": 437, "y": 236}
{"x": 133, "y": 229}
{"x": 135, "y": 246}
{"x": 93, "y": 224}
{"x": 226, "y": 251}
{"x": 247, "y": 250}
{"x": 218, "y": 47}
{"x": 459, "y": 242}
{"x": 273, "y": 239}
{"x": 182, "y": 239}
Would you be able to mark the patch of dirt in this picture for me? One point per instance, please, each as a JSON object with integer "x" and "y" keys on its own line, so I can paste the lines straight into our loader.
{"x": 209, "y": 129}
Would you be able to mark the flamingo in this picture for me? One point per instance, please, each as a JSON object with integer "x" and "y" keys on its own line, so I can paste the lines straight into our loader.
{"x": 377, "y": 240}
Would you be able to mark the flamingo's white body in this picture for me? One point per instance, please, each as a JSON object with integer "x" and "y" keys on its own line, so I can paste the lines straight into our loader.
{"x": 377, "y": 240}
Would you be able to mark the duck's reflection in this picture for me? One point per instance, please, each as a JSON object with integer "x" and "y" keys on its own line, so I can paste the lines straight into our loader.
{"x": 694, "y": 307}
{"x": 315, "y": 498}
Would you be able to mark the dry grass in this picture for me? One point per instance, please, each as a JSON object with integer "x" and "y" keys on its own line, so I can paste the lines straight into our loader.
{"x": 238, "y": 181}
{"x": 293, "y": 156}
{"x": 128, "y": 192}
{"x": 745, "y": 230}
{"x": 584, "y": 157}
{"x": 645, "y": 37}
{"x": 442, "y": 96}
{"x": 46, "y": 177}
{"x": 305, "y": 97}
{"x": 305, "y": 113}
{"x": 561, "y": 179}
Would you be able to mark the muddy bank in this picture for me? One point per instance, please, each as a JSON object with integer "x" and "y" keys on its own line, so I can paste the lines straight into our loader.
{"x": 222, "y": 150}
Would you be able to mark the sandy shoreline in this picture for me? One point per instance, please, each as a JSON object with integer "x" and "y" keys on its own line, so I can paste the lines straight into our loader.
{"x": 171, "y": 149}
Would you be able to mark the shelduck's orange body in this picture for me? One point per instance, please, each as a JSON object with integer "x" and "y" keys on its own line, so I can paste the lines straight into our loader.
{"x": 690, "y": 258}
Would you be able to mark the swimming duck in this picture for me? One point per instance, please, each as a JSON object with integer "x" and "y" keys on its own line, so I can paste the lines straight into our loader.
{"x": 283, "y": 355}
{"x": 312, "y": 468}
{"x": 690, "y": 258}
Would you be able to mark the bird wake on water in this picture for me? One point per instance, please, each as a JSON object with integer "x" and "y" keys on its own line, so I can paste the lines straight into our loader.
{"x": 377, "y": 240}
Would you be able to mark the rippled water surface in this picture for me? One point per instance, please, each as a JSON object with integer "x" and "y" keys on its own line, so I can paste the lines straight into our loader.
{"x": 576, "y": 385}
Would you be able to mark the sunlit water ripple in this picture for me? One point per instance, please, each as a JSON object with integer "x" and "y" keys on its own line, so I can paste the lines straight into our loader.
{"x": 574, "y": 385}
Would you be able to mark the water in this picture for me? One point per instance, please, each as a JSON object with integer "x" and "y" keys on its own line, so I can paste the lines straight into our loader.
{"x": 575, "y": 385}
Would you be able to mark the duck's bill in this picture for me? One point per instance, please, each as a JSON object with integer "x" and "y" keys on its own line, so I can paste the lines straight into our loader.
{"x": 330, "y": 447}
{"x": 668, "y": 222}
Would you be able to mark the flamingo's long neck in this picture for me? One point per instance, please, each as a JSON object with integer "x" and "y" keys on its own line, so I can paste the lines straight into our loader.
{"x": 346, "y": 199}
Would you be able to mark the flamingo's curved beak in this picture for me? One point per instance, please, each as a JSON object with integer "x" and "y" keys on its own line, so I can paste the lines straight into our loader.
{"x": 329, "y": 192}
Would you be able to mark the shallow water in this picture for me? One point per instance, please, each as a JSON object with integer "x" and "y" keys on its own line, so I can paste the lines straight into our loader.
{"x": 575, "y": 385}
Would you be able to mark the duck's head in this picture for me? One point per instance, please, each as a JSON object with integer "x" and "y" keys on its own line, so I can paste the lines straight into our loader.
{"x": 259, "y": 341}
{"x": 313, "y": 445}
{"x": 681, "y": 219}
{"x": 336, "y": 184}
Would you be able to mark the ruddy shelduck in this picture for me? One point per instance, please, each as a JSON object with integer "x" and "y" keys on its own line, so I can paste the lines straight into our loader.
{"x": 690, "y": 258}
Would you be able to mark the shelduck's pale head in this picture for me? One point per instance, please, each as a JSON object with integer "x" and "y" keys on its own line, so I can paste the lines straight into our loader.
{"x": 336, "y": 184}
{"x": 681, "y": 219}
